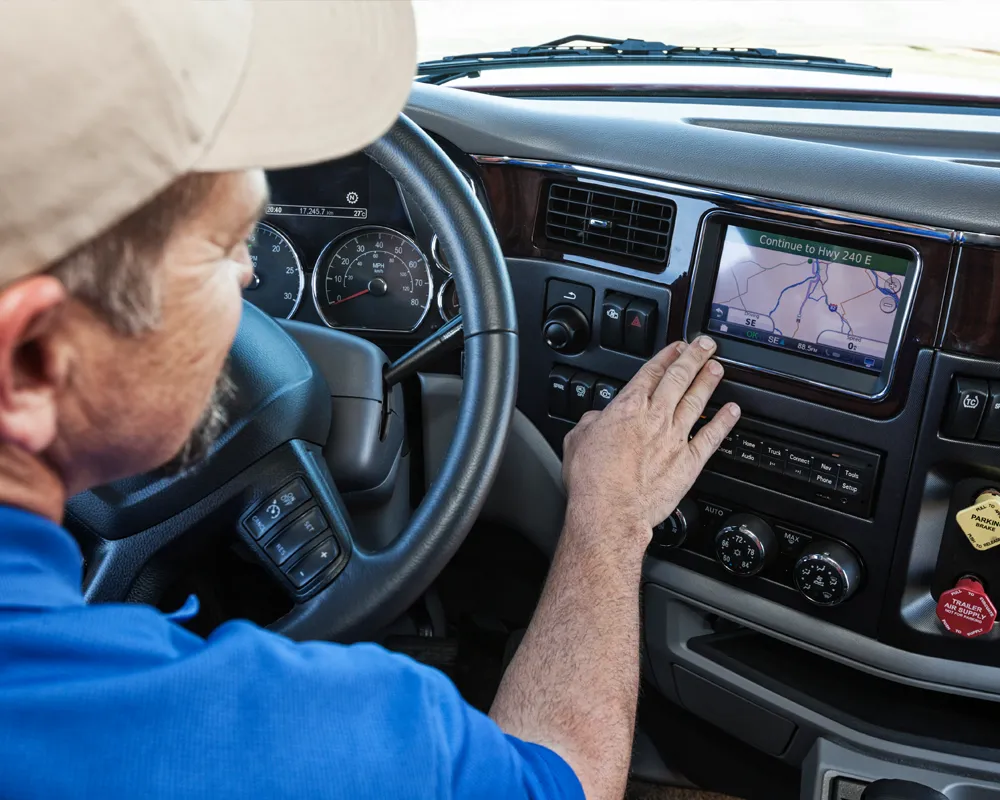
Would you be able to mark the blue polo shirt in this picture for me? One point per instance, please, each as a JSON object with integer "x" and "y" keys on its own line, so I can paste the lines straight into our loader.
{"x": 119, "y": 701}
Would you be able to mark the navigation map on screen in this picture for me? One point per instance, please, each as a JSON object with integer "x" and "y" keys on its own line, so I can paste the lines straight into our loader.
{"x": 813, "y": 298}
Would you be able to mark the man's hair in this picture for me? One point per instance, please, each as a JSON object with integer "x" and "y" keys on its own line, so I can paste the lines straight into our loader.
{"x": 114, "y": 275}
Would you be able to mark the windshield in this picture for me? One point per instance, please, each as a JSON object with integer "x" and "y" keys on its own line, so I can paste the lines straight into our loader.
{"x": 936, "y": 44}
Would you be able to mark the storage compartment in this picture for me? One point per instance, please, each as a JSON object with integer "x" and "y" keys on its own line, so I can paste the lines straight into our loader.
{"x": 747, "y": 721}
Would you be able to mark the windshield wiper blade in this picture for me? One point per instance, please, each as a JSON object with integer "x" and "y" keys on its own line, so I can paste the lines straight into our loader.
{"x": 582, "y": 49}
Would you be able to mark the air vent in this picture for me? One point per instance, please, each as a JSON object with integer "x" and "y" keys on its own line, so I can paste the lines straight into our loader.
{"x": 613, "y": 221}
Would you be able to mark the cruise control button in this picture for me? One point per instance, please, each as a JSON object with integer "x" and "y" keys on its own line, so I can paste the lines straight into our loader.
{"x": 581, "y": 394}
{"x": 605, "y": 390}
{"x": 795, "y": 471}
{"x": 277, "y": 508}
{"x": 559, "y": 380}
{"x": 293, "y": 538}
{"x": 314, "y": 563}
{"x": 747, "y": 457}
{"x": 822, "y": 479}
{"x": 800, "y": 458}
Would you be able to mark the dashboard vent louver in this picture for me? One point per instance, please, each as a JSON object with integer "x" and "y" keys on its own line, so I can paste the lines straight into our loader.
{"x": 623, "y": 222}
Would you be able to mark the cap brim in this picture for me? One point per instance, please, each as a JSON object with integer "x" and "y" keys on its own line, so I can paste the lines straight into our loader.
{"x": 322, "y": 79}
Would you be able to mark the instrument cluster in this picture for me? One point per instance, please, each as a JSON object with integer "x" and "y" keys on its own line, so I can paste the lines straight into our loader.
{"x": 336, "y": 247}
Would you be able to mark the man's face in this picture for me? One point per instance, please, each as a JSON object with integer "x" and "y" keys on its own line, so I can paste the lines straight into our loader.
{"x": 134, "y": 403}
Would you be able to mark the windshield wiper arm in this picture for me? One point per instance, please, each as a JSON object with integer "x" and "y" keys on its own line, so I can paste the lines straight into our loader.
{"x": 580, "y": 49}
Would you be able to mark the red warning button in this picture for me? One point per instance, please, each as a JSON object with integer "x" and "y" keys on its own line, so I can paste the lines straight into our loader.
{"x": 966, "y": 610}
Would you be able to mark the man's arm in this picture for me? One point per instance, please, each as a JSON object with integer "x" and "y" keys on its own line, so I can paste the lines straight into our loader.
{"x": 573, "y": 683}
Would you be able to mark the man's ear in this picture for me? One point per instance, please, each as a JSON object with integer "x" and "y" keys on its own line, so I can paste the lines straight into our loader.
{"x": 34, "y": 363}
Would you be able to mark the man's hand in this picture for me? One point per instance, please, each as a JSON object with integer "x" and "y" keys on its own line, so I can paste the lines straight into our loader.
{"x": 635, "y": 458}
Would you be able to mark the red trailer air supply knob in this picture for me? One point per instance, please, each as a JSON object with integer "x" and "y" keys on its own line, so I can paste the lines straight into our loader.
{"x": 966, "y": 610}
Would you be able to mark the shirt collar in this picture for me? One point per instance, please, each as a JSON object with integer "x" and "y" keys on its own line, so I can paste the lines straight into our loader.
{"x": 40, "y": 563}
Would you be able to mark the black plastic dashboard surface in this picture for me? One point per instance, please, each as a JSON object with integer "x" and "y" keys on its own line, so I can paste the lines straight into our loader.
{"x": 640, "y": 138}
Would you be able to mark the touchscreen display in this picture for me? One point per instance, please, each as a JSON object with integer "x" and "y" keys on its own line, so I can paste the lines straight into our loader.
{"x": 816, "y": 299}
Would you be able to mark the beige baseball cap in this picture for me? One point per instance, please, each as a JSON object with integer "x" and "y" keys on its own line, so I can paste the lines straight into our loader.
{"x": 106, "y": 102}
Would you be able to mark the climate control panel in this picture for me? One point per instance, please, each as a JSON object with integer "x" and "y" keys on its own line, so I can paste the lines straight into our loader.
{"x": 749, "y": 546}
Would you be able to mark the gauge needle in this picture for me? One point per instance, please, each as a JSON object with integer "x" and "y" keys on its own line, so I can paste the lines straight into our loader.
{"x": 350, "y": 297}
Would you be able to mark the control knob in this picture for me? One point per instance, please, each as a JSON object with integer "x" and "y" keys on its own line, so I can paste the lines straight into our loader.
{"x": 566, "y": 329}
{"x": 745, "y": 545}
{"x": 674, "y": 530}
{"x": 827, "y": 573}
{"x": 966, "y": 610}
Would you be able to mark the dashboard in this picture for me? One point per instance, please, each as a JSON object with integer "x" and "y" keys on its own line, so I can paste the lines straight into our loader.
{"x": 824, "y": 592}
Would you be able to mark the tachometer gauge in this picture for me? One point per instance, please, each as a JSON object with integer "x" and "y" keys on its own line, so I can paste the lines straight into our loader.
{"x": 447, "y": 300}
{"x": 278, "y": 280}
{"x": 372, "y": 279}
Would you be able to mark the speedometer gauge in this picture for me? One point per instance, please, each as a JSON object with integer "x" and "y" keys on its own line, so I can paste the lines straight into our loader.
{"x": 372, "y": 279}
{"x": 278, "y": 280}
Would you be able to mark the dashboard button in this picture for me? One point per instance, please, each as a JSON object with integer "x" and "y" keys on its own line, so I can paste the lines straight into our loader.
{"x": 826, "y": 465}
{"x": 605, "y": 390}
{"x": 727, "y": 450}
{"x": 990, "y": 429}
{"x": 747, "y": 457}
{"x": 581, "y": 394}
{"x": 564, "y": 293}
{"x": 795, "y": 471}
{"x": 800, "y": 458}
{"x": 822, "y": 479}
{"x": 774, "y": 450}
{"x": 640, "y": 325}
{"x": 314, "y": 563}
{"x": 853, "y": 473}
{"x": 559, "y": 379}
{"x": 613, "y": 320}
{"x": 749, "y": 443}
{"x": 713, "y": 511}
{"x": 849, "y": 487}
{"x": 965, "y": 407}
{"x": 772, "y": 464}
{"x": 791, "y": 542}
{"x": 293, "y": 538}
{"x": 277, "y": 508}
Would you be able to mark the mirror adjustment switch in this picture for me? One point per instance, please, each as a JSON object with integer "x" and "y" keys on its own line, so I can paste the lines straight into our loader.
{"x": 581, "y": 394}
{"x": 565, "y": 293}
{"x": 965, "y": 407}
{"x": 640, "y": 325}
{"x": 613, "y": 320}
{"x": 277, "y": 508}
{"x": 990, "y": 429}
{"x": 559, "y": 379}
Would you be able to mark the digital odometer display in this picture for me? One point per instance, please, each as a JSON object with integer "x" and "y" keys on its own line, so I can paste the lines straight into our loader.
{"x": 817, "y": 299}
{"x": 374, "y": 279}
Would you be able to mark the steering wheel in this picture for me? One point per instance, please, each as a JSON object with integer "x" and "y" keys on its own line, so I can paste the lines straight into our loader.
{"x": 271, "y": 468}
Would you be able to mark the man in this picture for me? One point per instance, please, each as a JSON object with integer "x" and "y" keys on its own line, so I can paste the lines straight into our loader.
{"x": 131, "y": 177}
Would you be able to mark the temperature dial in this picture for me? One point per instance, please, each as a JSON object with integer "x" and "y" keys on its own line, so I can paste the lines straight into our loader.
{"x": 674, "y": 530}
{"x": 745, "y": 545}
{"x": 827, "y": 573}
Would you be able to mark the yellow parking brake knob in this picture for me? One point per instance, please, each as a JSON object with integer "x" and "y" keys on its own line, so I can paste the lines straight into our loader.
{"x": 980, "y": 522}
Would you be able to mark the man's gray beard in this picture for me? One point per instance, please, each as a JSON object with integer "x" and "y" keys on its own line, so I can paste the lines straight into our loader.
{"x": 211, "y": 424}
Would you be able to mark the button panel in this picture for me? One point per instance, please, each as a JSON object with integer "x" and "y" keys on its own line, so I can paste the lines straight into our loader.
{"x": 572, "y": 393}
{"x": 828, "y": 473}
{"x": 276, "y": 508}
{"x": 628, "y": 324}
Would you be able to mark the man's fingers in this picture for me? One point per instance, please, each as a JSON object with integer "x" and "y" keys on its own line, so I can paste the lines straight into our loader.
{"x": 696, "y": 398}
{"x": 708, "y": 439}
{"x": 679, "y": 375}
{"x": 651, "y": 373}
